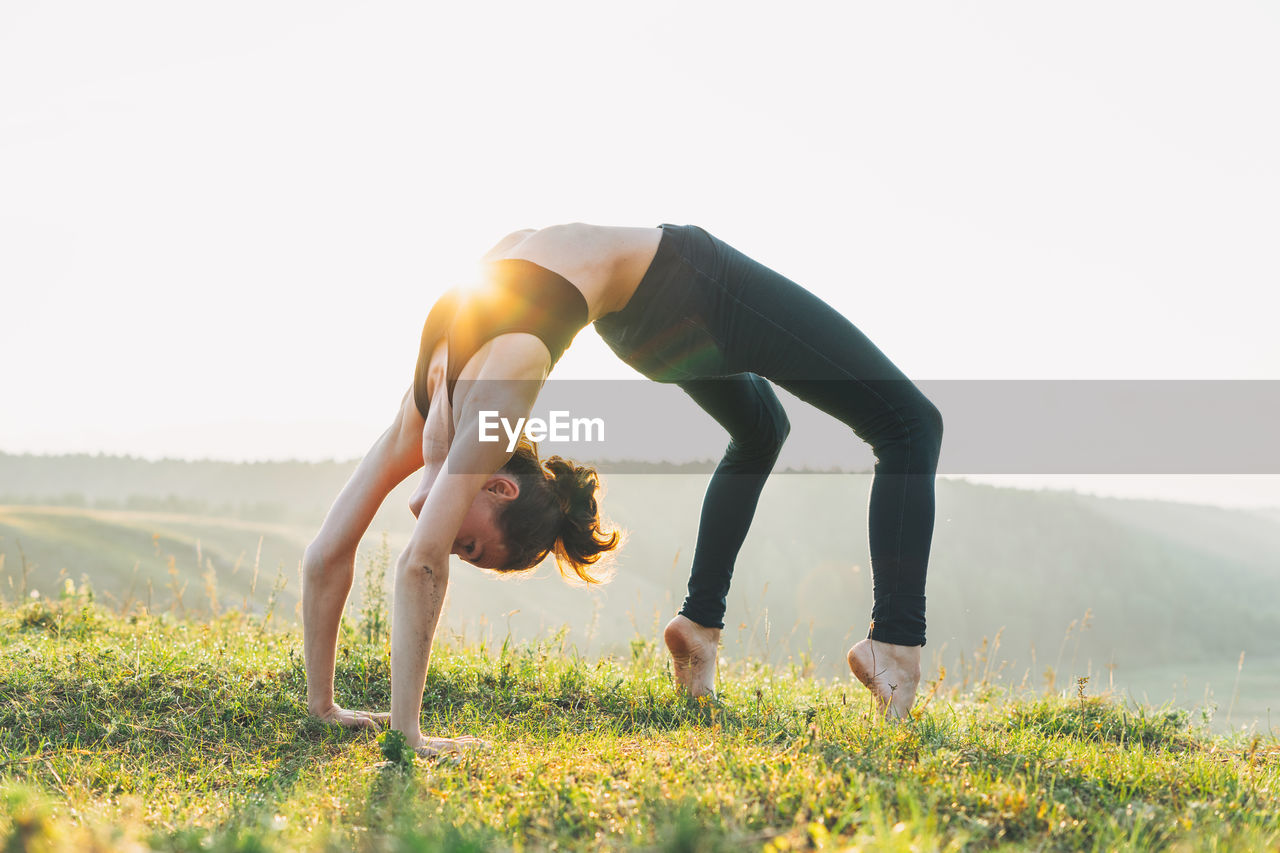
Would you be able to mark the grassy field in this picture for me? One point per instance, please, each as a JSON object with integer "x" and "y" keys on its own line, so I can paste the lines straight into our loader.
{"x": 139, "y": 556}
{"x": 782, "y": 606}
{"x": 151, "y": 731}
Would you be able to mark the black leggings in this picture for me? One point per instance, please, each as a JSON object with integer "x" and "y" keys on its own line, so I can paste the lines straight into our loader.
{"x": 713, "y": 321}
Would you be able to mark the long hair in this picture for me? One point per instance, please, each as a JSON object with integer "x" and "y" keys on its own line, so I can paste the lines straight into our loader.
{"x": 557, "y": 511}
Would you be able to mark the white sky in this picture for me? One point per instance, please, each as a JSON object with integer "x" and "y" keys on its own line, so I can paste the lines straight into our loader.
{"x": 221, "y": 225}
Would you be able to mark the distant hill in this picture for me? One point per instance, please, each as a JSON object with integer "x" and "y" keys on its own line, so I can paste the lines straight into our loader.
{"x": 281, "y": 491}
{"x": 1272, "y": 514}
{"x": 262, "y": 491}
{"x": 1165, "y": 583}
{"x": 128, "y": 555}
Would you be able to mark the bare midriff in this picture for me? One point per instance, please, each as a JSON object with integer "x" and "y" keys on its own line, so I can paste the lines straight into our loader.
{"x": 605, "y": 262}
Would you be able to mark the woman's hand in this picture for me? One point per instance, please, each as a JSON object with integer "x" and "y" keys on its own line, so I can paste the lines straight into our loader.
{"x": 430, "y": 746}
{"x": 370, "y": 720}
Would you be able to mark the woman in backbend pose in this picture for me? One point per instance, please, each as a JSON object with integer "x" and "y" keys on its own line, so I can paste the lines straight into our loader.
{"x": 681, "y": 306}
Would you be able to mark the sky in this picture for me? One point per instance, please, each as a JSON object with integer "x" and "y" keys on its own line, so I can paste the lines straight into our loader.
{"x": 222, "y": 225}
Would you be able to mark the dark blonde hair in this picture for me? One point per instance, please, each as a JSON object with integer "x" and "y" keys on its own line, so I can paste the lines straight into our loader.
{"x": 556, "y": 512}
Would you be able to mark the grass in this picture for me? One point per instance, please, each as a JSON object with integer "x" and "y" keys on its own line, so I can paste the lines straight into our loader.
{"x": 150, "y": 731}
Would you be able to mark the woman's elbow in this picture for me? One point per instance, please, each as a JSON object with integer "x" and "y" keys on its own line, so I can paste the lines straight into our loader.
{"x": 315, "y": 559}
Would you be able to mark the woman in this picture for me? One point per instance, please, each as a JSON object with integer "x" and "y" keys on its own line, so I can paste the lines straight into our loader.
{"x": 681, "y": 306}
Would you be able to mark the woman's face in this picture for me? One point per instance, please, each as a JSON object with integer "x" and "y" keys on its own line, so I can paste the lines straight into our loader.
{"x": 479, "y": 540}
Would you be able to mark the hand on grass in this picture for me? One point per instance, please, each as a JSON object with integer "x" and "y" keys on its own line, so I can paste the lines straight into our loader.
{"x": 371, "y": 720}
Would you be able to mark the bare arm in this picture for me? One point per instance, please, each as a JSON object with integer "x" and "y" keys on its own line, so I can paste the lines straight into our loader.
{"x": 437, "y": 437}
{"x": 329, "y": 562}
{"x": 422, "y": 572}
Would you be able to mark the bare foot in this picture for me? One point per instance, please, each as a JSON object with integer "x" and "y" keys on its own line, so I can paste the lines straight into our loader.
{"x": 693, "y": 652}
{"x": 890, "y": 672}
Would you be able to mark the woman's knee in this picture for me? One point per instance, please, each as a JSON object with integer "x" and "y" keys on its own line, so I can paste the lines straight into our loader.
{"x": 777, "y": 426}
{"x": 932, "y": 418}
{"x": 925, "y": 422}
{"x": 765, "y": 442}
{"x": 912, "y": 437}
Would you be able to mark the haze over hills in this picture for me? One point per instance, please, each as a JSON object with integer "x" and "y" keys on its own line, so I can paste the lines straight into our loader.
{"x": 1173, "y": 589}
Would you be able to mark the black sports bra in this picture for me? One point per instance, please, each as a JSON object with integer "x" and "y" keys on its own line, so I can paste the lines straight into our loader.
{"x": 517, "y": 296}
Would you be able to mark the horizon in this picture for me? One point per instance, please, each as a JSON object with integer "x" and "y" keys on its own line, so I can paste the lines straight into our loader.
{"x": 1189, "y": 490}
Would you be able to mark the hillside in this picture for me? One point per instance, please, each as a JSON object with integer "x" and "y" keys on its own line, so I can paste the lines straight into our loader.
{"x": 162, "y": 733}
{"x": 1173, "y": 593}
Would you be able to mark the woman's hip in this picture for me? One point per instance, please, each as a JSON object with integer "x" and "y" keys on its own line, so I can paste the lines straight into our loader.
{"x": 706, "y": 309}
